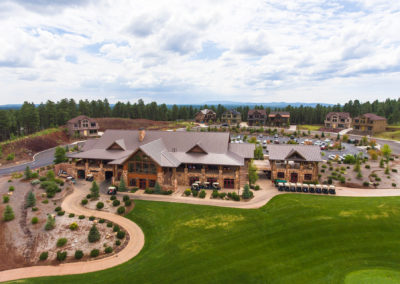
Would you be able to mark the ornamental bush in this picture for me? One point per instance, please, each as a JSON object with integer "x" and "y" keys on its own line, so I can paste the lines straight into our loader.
{"x": 116, "y": 202}
{"x": 71, "y": 215}
{"x": 101, "y": 221}
{"x": 91, "y": 218}
{"x": 30, "y": 199}
{"x": 8, "y": 214}
{"x": 94, "y": 234}
{"x": 247, "y": 193}
{"x": 34, "y": 220}
{"x": 108, "y": 250}
{"x": 113, "y": 197}
{"x": 61, "y": 255}
{"x": 6, "y": 198}
{"x": 121, "y": 235}
{"x": 94, "y": 253}
{"x": 73, "y": 226}
{"x": 60, "y": 213}
{"x": 121, "y": 210}
{"x": 109, "y": 224}
{"x": 50, "y": 223}
{"x": 125, "y": 198}
{"x": 116, "y": 228}
{"x": 128, "y": 203}
{"x": 117, "y": 242}
{"x": 215, "y": 194}
{"x": 84, "y": 201}
{"x": 99, "y": 205}
{"x": 44, "y": 255}
{"x": 78, "y": 254}
{"x": 61, "y": 242}
{"x": 81, "y": 217}
{"x": 202, "y": 193}
{"x": 11, "y": 188}
{"x": 195, "y": 193}
{"x": 187, "y": 192}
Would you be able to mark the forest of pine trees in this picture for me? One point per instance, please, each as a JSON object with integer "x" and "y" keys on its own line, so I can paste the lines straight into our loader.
{"x": 30, "y": 118}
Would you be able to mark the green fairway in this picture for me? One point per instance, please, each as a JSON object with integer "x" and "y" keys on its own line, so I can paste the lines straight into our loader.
{"x": 293, "y": 239}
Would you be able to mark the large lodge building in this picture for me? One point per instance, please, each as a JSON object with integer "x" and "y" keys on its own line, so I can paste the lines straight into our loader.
{"x": 170, "y": 158}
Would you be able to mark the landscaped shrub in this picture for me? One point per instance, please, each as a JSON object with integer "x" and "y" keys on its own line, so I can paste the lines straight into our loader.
{"x": 8, "y": 214}
{"x": 195, "y": 193}
{"x": 94, "y": 234}
{"x": 324, "y": 166}
{"x": 73, "y": 226}
{"x": 42, "y": 178}
{"x": 202, "y": 193}
{"x": 116, "y": 202}
{"x": 51, "y": 188}
{"x": 125, "y": 198}
{"x": 322, "y": 171}
{"x": 247, "y": 193}
{"x": 128, "y": 203}
{"x": 115, "y": 228}
{"x": 50, "y": 223}
{"x": 187, "y": 192}
{"x": 394, "y": 170}
{"x": 61, "y": 255}
{"x": 91, "y": 218}
{"x": 10, "y": 157}
{"x": 367, "y": 166}
{"x": 84, "y": 201}
{"x": 101, "y": 221}
{"x": 60, "y": 213}
{"x": 377, "y": 179}
{"x": 78, "y": 254}
{"x": 99, "y": 205}
{"x": 149, "y": 191}
{"x": 235, "y": 196}
{"x": 88, "y": 196}
{"x": 365, "y": 183}
{"x": 11, "y": 188}
{"x": 393, "y": 184}
{"x": 61, "y": 242}
{"x": 215, "y": 194}
{"x": 342, "y": 179}
{"x": 257, "y": 187}
{"x": 222, "y": 195}
{"x": 121, "y": 235}
{"x": 46, "y": 201}
{"x": 109, "y": 224}
{"x": 44, "y": 255}
{"x": 81, "y": 217}
{"x": 113, "y": 197}
{"x": 6, "y": 198}
{"x": 94, "y": 253}
{"x": 121, "y": 210}
{"x": 166, "y": 192}
{"x": 71, "y": 215}
{"x": 94, "y": 190}
{"x": 117, "y": 242}
{"x": 108, "y": 250}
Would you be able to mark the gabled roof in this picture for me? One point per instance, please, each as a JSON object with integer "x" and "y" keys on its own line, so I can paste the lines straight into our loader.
{"x": 341, "y": 115}
{"x": 372, "y": 116}
{"x": 281, "y": 113}
{"x": 167, "y": 148}
{"x": 80, "y": 117}
{"x": 119, "y": 142}
{"x": 206, "y": 110}
{"x": 261, "y": 111}
{"x": 309, "y": 153}
{"x": 232, "y": 111}
{"x": 197, "y": 146}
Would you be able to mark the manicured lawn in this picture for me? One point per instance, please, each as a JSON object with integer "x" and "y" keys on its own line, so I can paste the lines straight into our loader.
{"x": 309, "y": 127}
{"x": 293, "y": 239}
{"x": 393, "y": 135}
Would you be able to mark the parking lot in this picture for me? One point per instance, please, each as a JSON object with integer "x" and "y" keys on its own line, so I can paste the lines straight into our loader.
{"x": 349, "y": 149}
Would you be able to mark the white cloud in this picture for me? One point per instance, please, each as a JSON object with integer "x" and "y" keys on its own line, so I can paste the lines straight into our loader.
{"x": 306, "y": 50}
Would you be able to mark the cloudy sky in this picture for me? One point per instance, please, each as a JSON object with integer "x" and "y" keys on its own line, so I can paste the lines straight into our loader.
{"x": 197, "y": 51}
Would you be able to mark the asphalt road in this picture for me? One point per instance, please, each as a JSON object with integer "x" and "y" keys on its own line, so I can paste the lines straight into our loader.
{"x": 41, "y": 159}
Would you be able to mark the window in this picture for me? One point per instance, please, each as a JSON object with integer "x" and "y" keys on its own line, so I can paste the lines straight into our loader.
{"x": 281, "y": 175}
{"x": 369, "y": 128}
{"x": 76, "y": 124}
{"x": 132, "y": 182}
{"x": 229, "y": 183}
{"x": 152, "y": 183}
{"x": 130, "y": 167}
{"x": 85, "y": 123}
{"x": 93, "y": 124}
{"x": 308, "y": 177}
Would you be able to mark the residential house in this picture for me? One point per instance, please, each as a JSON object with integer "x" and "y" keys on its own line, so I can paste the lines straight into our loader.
{"x": 256, "y": 117}
{"x": 279, "y": 119}
{"x": 82, "y": 126}
{"x": 172, "y": 159}
{"x": 205, "y": 115}
{"x": 369, "y": 123}
{"x": 338, "y": 120}
{"x": 294, "y": 163}
{"x": 231, "y": 117}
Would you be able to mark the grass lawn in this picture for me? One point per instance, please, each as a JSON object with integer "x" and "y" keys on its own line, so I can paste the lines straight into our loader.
{"x": 393, "y": 135}
{"x": 293, "y": 239}
{"x": 309, "y": 127}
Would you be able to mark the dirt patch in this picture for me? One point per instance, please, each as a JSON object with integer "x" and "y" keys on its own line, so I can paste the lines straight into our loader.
{"x": 24, "y": 149}
{"x": 134, "y": 124}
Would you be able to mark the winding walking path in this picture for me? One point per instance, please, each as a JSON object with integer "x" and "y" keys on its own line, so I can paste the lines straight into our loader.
{"x": 72, "y": 204}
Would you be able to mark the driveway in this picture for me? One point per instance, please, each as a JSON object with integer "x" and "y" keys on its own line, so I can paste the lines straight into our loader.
{"x": 40, "y": 159}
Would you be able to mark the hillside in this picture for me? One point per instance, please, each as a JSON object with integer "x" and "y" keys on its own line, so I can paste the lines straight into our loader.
{"x": 25, "y": 147}
{"x": 133, "y": 124}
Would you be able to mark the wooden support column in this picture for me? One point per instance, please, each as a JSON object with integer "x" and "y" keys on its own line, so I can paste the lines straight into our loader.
{"x": 174, "y": 179}
{"x": 203, "y": 174}
{"x": 185, "y": 176}
{"x": 220, "y": 176}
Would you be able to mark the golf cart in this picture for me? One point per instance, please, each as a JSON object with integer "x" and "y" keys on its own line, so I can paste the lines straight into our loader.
{"x": 318, "y": 188}
{"x": 195, "y": 186}
{"x": 305, "y": 187}
{"x": 215, "y": 185}
{"x": 312, "y": 188}
{"x": 71, "y": 180}
{"x": 112, "y": 190}
{"x": 89, "y": 177}
{"x": 332, "y": 189}
{"x": 292, "y": 187}
{"x": 207, "y": 185}
{"x": 299, "y": 188}
{"x": 325, "y": 189}
{"x": 281, "y": 186}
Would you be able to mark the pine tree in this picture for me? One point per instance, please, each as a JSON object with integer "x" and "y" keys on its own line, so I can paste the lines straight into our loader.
{"x": 122, "y": 186}
{"x": 59, "y": 155}
{"x": 30, "y": 199}
{"x": 94, "y": 234}
{"x": 50, "y": 175}
{"x": 157, "y": 188}
{"x": 253, "y": 176}
{"x": 50, "y": 223}
{"x": 247, "y": 193}
{"x": 28, "y": 173}
{"x": 94, "y": 190}
{"x": 8, "y": 214}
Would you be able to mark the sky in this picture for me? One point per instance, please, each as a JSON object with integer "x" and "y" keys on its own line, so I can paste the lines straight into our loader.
{"x": 190, "y": 52}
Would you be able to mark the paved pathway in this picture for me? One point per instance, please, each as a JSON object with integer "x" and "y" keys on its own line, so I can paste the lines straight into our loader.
{"x": 72, "y": 204}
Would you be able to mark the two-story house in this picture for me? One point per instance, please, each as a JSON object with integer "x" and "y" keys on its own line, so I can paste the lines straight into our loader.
{"x": 369, "y": 123}
{"x": 256, "y": 117}
{"x": 205, "y": 115}
{"x": 231, "y": 117}
{"x": 338, "y": 120}
{"x": 279, "y": 119}
{"x": 82, "y": 126}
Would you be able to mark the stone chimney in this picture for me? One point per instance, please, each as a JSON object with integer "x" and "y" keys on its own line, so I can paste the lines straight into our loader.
{"x": 142, "y": 134}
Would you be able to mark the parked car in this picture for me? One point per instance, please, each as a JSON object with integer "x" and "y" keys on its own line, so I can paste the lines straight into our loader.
{"x": 89, "y": 177}
{"x": 276, "y": 141}
{"x": 276, "y": 136}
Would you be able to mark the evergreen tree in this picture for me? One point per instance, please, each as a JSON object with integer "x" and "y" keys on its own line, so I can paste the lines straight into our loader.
{"x": 386, "y": 152}
{"x": 94, "y": 234}
{"x": 30, "y": 199}
{"x": 50, "y": 176}
{"x": 252, "y": 171}
{"x": 50, "y": 223}
{"x": 247, "y": 193}
{"x": 157, "y": 188}
{"x": 122, "y": 186}
{"x": 94, "y": 190}
{"x": 60, "y": 155}
{"x": 28, "y": 173}
{"x": 8, "y": 214}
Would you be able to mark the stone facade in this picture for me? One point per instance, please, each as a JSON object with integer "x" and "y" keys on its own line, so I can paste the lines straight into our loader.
{"x": 296, "y": 172}
{"x": 369, "y": 123}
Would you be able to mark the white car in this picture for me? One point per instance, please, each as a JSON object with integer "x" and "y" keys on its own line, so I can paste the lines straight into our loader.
{"x": 332, "y": 157}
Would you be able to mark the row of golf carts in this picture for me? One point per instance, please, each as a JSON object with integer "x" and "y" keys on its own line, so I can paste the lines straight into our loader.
{"x": 306, "y": 188}
{"x": 205, "y": 185}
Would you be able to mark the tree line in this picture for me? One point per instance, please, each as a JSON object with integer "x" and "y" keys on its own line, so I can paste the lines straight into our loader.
{"x": 31, "y": 118}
